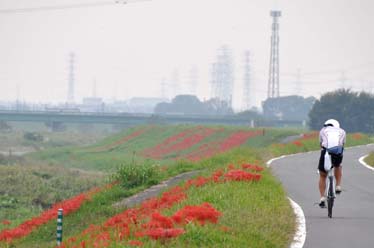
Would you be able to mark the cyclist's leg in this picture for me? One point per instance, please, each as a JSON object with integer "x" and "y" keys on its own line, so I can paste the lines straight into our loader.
{"x": 338, "y": 179}
{"x": 337, "y": 161}
{"x": 322, "y": 174}
{"x": 322, "y": 183}
{"x": 338, "y": 175}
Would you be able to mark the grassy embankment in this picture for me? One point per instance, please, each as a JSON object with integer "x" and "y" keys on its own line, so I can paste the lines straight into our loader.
{"x": 256, "y": 214}
{"x": 29, "y": 186}
{"x": 370, "y": 159}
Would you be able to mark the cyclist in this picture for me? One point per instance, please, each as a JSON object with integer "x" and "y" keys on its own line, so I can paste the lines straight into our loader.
{"x": 332, "y": 140}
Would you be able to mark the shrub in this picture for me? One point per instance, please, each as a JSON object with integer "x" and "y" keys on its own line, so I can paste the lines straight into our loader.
{"x": 32, "y": 136}
{"x": 132, "y": 174}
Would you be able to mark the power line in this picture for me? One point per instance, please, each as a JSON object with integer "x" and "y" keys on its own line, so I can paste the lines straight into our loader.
{"x": 66, "y": 6}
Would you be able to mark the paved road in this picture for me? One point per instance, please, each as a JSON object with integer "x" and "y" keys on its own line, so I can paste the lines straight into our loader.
{"x": 352, "y": 224}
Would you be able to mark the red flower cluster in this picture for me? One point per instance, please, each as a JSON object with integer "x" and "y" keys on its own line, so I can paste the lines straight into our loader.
{"x": 240, "y": 175}
{"x": 147, "y": 221}
{"x": 201, "y": 214}
{"x": 307, "y": 136}
{"x": 298, "y": 143}
{"x": 209, "y": 149}
{"x": 69, "y": 206}
{"x": 163, "y": 233}
{"x": 6, "y": 222}
{"x": 179, "y": 142}
{"x": 135, "y": 243}
{"x": 252, "y": 167}
{"x": 357, "y": 136}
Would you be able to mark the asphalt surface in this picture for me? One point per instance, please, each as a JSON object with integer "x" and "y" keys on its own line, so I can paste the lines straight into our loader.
{"x": 352, "y": 223}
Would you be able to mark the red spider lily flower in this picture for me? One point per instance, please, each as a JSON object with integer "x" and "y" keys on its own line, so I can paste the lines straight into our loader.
{"x": 235, "y": 139}
{"x": 240, "y": 175}
{"x": 83, "y": 244}
{"x": 225, "y": 228}
{"x": 163, "y": 233}
{"x": 307, "y": 136}
{"x": 231, "y": 166}
{"x": 72, "y": 239}
{"x": 159, "y": 220}
{"x": 204, "y": 212}
{"x": 217, "y": 176}
{"x": 252, "y": 167}
{"x": 6, "y": 222}
{"x": 135, "y": 243}
{"x": 297, "y": 143}
{"x": 179, "y": 142}
{"x": 197, "y": 182}
{"x": 357, "y": 136}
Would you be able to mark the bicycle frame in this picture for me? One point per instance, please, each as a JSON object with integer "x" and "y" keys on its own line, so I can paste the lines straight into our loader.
{"x": 330, "y": 188}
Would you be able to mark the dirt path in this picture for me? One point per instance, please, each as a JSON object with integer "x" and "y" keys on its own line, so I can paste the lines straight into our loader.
{"x": 154, "y": 190}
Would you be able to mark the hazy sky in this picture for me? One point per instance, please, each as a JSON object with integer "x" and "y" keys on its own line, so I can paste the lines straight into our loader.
{"x": 128, "y": 49}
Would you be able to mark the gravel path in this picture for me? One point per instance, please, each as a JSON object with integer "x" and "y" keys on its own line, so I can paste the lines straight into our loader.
{"x": 154, "y": 190}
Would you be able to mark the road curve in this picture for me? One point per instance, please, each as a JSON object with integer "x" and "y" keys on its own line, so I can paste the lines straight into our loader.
{"x": 352, "y": 224}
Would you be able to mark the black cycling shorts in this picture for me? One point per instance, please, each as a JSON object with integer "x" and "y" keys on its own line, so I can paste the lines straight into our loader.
{"x": 336, "y": 160}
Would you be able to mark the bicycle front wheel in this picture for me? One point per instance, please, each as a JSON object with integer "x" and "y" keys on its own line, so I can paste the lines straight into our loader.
{"x": 330, "y": 204}
{"x": 330, "y": 198}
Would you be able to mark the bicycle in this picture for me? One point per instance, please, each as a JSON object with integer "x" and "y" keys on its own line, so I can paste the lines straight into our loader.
{"x": 330, "y": 186}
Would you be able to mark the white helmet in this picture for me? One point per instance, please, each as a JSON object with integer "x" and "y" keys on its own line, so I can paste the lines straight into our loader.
{"x": 331, "y": 122}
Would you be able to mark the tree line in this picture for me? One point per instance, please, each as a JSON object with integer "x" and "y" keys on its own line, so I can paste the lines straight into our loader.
{"x": 354, "y": 110}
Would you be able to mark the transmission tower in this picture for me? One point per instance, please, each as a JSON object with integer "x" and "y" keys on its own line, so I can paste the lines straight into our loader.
{"x": 175, "y": 87}
{"x": 70, "y": 96}
{"x": 273, "y": 84}
{"x": 298, "y": 82}
{"x": 193, "y": 80}
{"x": 343, "y": 79}
{"x": 247, "y": 81}
{"x": 223, "y": 76}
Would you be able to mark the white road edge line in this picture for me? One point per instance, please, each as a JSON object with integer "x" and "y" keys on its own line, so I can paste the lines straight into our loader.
{"x": 300, "y": 235}
{"x": 361, "y": 160}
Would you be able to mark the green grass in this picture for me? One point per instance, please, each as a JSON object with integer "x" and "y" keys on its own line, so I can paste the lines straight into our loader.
{"x": 88, "y": 158}
{"x": 370, "y": 159}
{"x": 28, "y": 190}
{"x": 257, "y": 214}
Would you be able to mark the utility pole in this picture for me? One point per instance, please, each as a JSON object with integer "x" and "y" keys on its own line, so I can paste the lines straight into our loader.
{"x": 273, "y": 83}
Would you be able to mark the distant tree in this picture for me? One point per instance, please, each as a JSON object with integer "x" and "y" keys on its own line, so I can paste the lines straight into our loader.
{"x": 162, "y": 108}
{"x": 353, "y": 110}
{"x": 252, "y": 114}
{"x": 33, "y": 136}
{"x": 4, "y": 126}
{"x": 191, "y": 105}
{"x": 295, "y": 108}
{"x": 216, "y": 106}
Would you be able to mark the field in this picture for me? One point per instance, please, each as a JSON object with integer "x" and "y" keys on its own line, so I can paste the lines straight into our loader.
{"x": 244, "y": 205}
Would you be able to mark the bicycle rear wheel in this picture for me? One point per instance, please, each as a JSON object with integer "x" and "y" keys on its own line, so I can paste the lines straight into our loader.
{"x": 330, "y": 198}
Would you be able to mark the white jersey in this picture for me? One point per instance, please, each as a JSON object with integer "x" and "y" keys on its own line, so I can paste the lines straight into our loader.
{"x": 331, "y": 137}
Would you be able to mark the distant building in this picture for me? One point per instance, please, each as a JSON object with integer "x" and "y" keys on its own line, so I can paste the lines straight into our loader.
{"x": 92, "y": 104}
{"x": 144, "y": 104}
